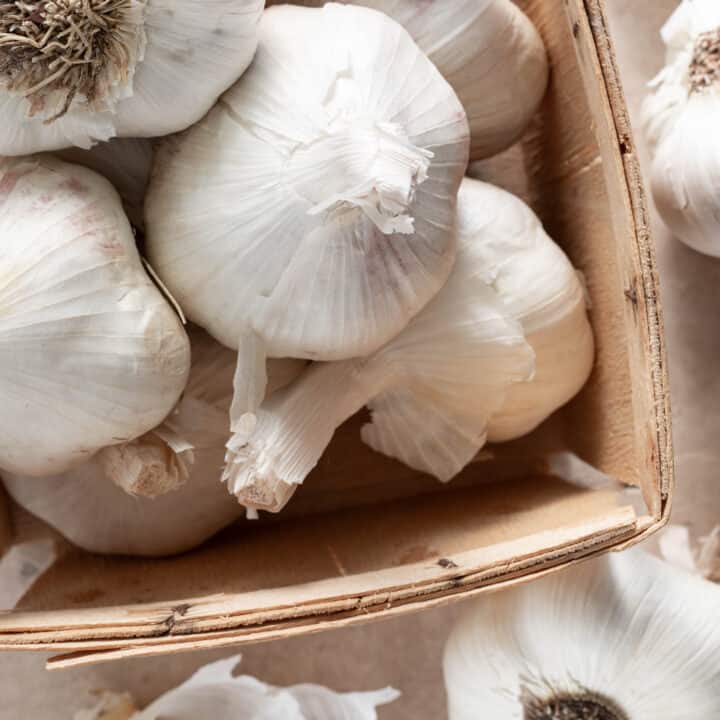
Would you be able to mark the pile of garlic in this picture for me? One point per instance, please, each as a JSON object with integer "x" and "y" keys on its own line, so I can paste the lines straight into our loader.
{"x": 313, "y": 208}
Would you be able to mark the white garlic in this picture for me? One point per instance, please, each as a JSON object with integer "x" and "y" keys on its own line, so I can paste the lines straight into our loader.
{"x": 74, "y": 72}
{"x": 311, "y": 213}
{"x": 491, "y": 54}
{"x": 681, "y": 118}
{"x": 126, "y": 163}
{"x": 99, "y": 516}
{"x": 433, "y": 390}
{"x": 623, "y": 637}
{"x": 214, "y": 692}
{"x": 164, "y": 459}
{"x": 541, "y": 290}
{"x": 453, "y": 378}
{"x": 91, "y": 354}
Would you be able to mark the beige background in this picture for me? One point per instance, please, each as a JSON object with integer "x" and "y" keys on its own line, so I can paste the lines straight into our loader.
{"x": 406, "y": 652}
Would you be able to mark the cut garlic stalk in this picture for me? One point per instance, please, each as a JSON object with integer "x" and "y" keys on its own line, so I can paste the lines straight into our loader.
{"x": 488, "y": 50}
{"x": 433, "y": 390}
{"x": 681, "y": 117}
{"x": 73, "y": 72}
{"x": 185, "y": 454}
{"x": 126, "y": 163}
{"x": 91, "y": 354}
{"x": 311, "y": 213}
{"x": 623, "y": 637}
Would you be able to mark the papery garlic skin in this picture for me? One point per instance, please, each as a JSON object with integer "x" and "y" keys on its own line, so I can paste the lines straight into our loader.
{"x": 91, "y": 354}
{"x": 137, "y": 68}
{"x": 126, "y": 163}
{"x": 491, "y": 54}
{"x": 214, "y": 692}
{"x": 432, "y": 391}
{"x": 626, "y": 632}
{"x": 681, "y": 117}
{"x": 541, "y": 290}
{"x": 311, "y": 213}
{"x": 94, "y": 506}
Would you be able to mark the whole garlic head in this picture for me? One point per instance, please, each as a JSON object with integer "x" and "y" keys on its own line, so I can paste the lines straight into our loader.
{"x": 74, "y": 72}
{"x": 681, "y": 118}
{"x": 620, "y": 637}
{"x": 541, "y": 290}
{"x": 311, "y": 213}
{"x": 488, "y": 50}
{"x": 91, "y": 354}
{"x": 104, "y": 505}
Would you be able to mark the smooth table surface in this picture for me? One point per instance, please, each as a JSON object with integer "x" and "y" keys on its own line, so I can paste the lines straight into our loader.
{"x": 406, "y": 653}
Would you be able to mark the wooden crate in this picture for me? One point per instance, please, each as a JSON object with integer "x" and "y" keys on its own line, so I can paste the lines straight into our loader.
{"x": 367, "y": 538}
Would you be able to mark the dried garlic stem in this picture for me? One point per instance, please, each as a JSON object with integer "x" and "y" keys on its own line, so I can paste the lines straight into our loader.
{"x": 293, "y": 428}
{"x": 54, "y": 52}
{"x": 146, "y": 467}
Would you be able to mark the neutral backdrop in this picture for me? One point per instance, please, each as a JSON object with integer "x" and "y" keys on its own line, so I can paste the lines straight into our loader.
{"x": 406, "y": 653}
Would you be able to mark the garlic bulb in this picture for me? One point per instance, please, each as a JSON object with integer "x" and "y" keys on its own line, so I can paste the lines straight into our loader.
{"x": 541, "y": 290}
{"x": 491, "y": 54}
{"x": 214, "y": 692}
{"x": 623, "y": 637}
{"x": 681, "y": 118}
{"x": 183, "y": 455}
{"x": 73, "y": 72}
{"x": 311, "y": 213}
{"x": 91, "y": 354}
{"x": 433, "y": 390}
{"x": 126, "y": 163}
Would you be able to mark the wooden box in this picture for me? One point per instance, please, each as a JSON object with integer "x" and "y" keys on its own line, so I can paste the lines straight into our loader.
{"x": 366, "y": 538}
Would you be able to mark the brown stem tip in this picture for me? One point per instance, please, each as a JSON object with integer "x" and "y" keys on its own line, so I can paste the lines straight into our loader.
{"x": 705, "y": 64}
{"x": 54, "y": 51}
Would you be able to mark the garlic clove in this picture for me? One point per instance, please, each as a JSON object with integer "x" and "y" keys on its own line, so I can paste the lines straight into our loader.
{"x": 622, "y": 636}
{"x": 110, "y": 706}
{"x": 91, "y": 354}
{"x": 314, "y": 206}
{"x": 157, "y": 67}
{"x": 491, "y": 54}
{"x": 126, "y": 163}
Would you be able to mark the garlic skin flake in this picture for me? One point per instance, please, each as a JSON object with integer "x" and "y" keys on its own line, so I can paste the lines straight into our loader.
{"x": 433, "y": 390}
{"x": 311, "y": 213}
{"x": 75, "y": 72}
{"x": 622, "y": 637}
{"x": 681, "y": 117}
{"x": 491, "y": 54}
{"x": 91, "y": 354}
{"x": 213, "y": 692}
